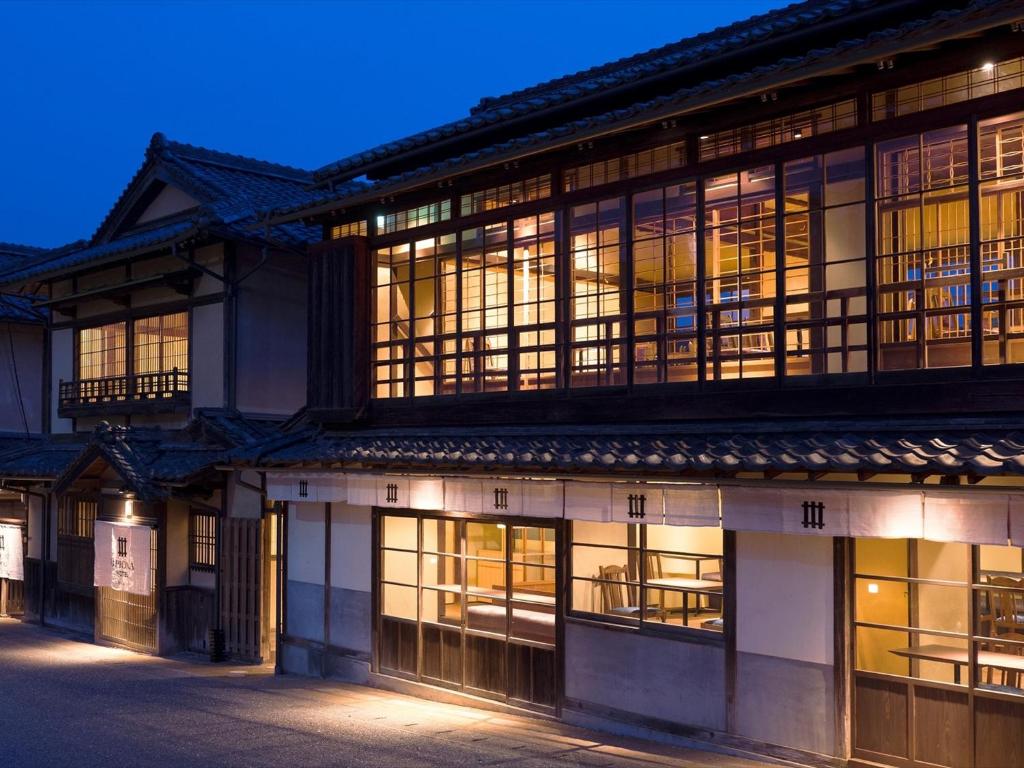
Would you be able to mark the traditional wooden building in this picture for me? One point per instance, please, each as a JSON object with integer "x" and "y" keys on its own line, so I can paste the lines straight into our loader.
{"x": 158, "y": 332}
{"x": 683, "y": 393}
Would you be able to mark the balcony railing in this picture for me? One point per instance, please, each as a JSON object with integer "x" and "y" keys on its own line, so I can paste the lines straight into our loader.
{"x": 168, "y": 388}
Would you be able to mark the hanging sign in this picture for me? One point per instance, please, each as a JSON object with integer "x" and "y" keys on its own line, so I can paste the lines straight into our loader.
{"x": 11, "y": 563}
{"x": 122, "y": 557}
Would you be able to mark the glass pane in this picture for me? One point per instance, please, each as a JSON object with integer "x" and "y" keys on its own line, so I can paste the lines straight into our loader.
{"x": 399, "y": 532}
{"x": 1001, "y": 664}
{"x": 534, "y": 583}
{"x": 399, "y": 602}
{"x": 613, "y": 534}
{"x": 486, "y": 615}
{"x": 883, "y": 602}
{"x": 939, "y": 658}
{"x": 533, "y": 545}
{"x": 874, "y": 651}
{"x": 882, "y": 557}
{"x": 999, "y": 561}
{"x": 486, "y": 576}
{"x": 699, "y": 610}
{"x": 485, "y": 539}
{"x": 398, "y": 567}
{"x": 613, "y": 596}
{"x": 943, "y": 560}
{"x": 533, "y": 622}
{"x": 441, "y": 536}
{"x": 589, "y": 562}
{"x": 942, "y": 608}
{"x": 441, "y": 570}
{"x": 441, "y": 607}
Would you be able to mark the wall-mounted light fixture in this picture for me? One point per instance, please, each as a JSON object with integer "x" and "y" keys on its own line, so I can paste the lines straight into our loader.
{"x": 129, "y": 506}
{"x": 872, "y": 588}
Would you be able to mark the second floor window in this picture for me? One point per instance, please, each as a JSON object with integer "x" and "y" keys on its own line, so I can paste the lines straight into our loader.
{"x": 146, "y": 345}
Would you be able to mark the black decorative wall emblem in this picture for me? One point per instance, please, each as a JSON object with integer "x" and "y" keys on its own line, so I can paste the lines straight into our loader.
{"x": 392, "y": 493}
{"x": 814, "y": 514}
{"x": 637, "y": 502}
{"x": 303, "y": 489}
{"x": 3, "y": 543}
{"x": 122, "y": 546}
{"x": 501, "y": 498}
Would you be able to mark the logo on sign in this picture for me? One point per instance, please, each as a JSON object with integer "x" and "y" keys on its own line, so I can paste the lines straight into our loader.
{"x": 3, "y": 543}
{"x": 122, "y": 565}
{"x": 303, "y": 488}
{"x": 814, "y": 514}
{"x": 392, "y": 493}
{"x": 501, "y": 498}
{"x": 637, "y": 502}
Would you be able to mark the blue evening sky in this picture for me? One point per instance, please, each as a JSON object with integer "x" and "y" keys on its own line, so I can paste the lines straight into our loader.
{"x": 83, "y": 85}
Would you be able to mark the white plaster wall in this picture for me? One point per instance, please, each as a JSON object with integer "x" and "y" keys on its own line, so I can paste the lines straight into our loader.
{"x": 784, "y": 596}
{"x": 21, "y": 372}
{"x": 62, "y": 353}
{"x": 207, "y": 369}
{"x": 351, "y": 543}
{"x": 243, "y": 501}
{"x": 306, "y": 543}
{"x": 177, "y": 543}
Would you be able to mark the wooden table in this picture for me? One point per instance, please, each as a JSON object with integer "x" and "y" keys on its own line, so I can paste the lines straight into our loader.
{"x": 951, "y": 654}
{"x": 686, "y": 585}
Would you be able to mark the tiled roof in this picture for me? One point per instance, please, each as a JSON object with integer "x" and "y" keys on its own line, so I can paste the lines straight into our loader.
{"x": 232, "y": 191}
{"x": 19, "y": 309}
{"x": 13, "y": 255}
{"x": 719, "y": 448}
{"x": 702, "y": 47}
{"x": 148, "y": 459}
{"x": 939, "y": 25}
{"x": 38, "y": 456}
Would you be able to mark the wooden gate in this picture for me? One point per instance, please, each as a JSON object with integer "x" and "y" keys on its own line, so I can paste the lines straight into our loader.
{"x": 241, "y": 550}
{"x": 127, "y": 619}
{"x": 12, "y": 592}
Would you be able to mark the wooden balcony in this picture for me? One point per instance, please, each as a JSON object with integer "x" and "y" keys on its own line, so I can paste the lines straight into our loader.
{"x": 163, "y": 391}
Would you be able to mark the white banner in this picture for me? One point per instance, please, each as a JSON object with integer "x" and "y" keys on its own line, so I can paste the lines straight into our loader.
{"x": 11, "y": 553}
{"x": 692, "y": 505}
{"x": 1017, "y": 520}
{"x": 971, "y": 518}
{"x": 637, "y": 503}
{"x": 588, "y": 501}
{"x": 321, "y": 486}
{"x": 122, "y": 557}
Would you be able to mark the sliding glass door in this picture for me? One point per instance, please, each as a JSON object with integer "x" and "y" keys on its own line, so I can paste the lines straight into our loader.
{"x": 470, "y": 605}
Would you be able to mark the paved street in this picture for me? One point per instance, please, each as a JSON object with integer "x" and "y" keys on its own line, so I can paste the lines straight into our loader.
{"x": 64, "y": 702}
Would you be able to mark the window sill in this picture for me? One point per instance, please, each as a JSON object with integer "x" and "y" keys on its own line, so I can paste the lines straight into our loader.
{"x": 649, "y": 629}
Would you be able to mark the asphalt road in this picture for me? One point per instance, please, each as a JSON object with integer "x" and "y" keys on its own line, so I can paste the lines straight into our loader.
{"x": 64, "y": 702}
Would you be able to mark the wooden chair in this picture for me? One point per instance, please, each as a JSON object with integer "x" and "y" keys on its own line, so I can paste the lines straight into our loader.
{"x": 1010, "y": 677}
{"x": 619, "y": 597}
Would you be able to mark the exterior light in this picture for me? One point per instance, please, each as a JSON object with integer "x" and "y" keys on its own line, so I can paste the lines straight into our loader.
{"x": 988, "y": 66}
{"x": 872, "y": 589}
{"x": 704, "y": 137}
{"x": 128, "y": 508}
{"x": 798, "y": 134}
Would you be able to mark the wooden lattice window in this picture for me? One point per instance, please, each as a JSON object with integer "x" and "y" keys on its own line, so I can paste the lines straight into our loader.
{"x": 202, "y": 540}
{"x": 77, "y": 517}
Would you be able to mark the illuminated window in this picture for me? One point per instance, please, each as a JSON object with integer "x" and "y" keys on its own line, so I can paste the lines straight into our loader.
{"x": 739, "y": 283}
{"x": 825, "y": 268}
{"x": 662, "y": 575}
{"x": 161, "y": 343}
{"x": 630, "y": 166}
{"x": 469, "y": 604}
{"x": 483, "y": 356}
{"x": 779, "y": 130}
{"x": 597, "y": 251}
{"x": 923, "y": 257}
{"x": 414, "y": 217}
{"x": 102, "y": 351}
{"x": 202, "y": 540}
{"x": 665, "y": 284}
{"x": 352, "y": 228}
{"x": 1001, "y": 168}
{"x": 950, "y": 89}
{"x": 502, "y": 196}
{"x": 534, "y": 315}
{"x": 391, "y": 317}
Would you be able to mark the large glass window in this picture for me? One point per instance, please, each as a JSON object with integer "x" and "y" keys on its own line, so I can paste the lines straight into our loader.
{"x": 102, "y": 351}
{"x": 391, "y": 316}
{"x": 596, "y": 310}
{"x": 934, "y": 611}
{"x": 664, "y": 251}
{"x": 923, "y": 259}
{"x": 662, "y": 575}
{"x": 469, "y": 604}
{"x": 825, "y": 270}
{"x": 1001, "y": 169}
{"x": 739, "y": 283}
{"x": 160, "y": 344}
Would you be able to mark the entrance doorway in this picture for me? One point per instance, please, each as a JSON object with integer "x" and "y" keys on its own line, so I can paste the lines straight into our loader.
{"x": 938, "y": 637}
{"x": 470, "y": 604}
{"x": 127, "y": 619}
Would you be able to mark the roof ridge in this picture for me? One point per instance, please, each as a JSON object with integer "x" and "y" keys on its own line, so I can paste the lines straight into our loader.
{"x": 160, "y": 144}
{"x": 673, "y": 48}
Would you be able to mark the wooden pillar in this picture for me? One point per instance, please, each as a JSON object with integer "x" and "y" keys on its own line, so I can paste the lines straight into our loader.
{"x": 327, "y": 588}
